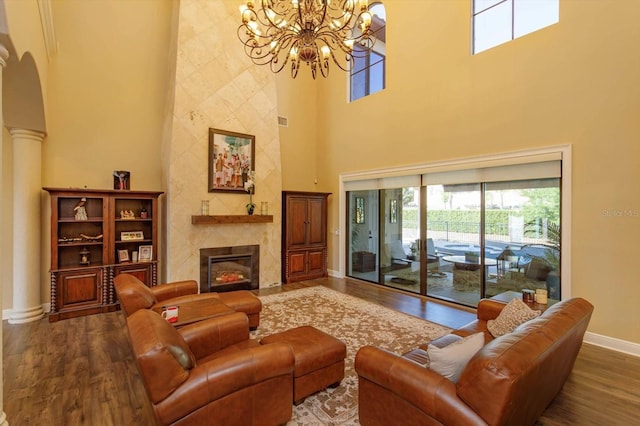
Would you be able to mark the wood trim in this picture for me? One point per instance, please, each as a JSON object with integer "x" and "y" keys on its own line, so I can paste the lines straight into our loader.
{"x": 227, "y": 219}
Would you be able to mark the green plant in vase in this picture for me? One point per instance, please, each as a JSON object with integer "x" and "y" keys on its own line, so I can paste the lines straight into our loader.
{"x": 249, "y": 186}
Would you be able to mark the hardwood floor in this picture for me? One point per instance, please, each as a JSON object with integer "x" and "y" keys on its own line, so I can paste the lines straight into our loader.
{"x": 81, "y": 371}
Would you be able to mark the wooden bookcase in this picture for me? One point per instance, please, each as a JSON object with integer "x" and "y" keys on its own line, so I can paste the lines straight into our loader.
{"x": 86, "y": 248}
{"x": 304, "y": 235}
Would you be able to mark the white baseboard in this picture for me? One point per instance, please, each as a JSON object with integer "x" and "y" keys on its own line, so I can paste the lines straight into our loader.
{"x": 334, "y": 273}
{"x": 612, "y": 343}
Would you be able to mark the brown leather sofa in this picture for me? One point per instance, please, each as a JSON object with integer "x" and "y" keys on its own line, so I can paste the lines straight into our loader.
{"x": 510, "y": 381}
{"x": 133, "y": 294}
{"x": 210, "y": 372}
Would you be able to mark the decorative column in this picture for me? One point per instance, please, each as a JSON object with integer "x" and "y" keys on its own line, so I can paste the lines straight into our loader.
{"x": 4, "y": 55}
{"x": 27, "y": 187}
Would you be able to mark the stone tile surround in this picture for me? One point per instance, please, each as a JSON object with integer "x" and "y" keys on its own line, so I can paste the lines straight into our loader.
{"x": 216, "y": 85}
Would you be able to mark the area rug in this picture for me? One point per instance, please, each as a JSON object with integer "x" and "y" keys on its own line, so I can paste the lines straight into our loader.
{"x": 354, "y": 321}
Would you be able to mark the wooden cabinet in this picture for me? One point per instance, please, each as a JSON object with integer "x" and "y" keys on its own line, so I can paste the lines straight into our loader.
{"x": 304, "y": 235}
{"x": 93, "y": 236}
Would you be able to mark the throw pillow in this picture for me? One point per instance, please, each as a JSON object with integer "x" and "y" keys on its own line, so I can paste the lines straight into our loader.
{"x": 515, "y": 313}
{"x": 451, "y": 360}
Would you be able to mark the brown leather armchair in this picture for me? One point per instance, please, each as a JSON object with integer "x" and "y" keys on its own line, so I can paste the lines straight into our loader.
{"x": 210, "y": 372}
{"x": 133, "y": 294}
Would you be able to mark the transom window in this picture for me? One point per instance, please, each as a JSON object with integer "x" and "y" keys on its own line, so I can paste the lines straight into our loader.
{"x": 498, "y": 21}
{"x": 367, "y": 75}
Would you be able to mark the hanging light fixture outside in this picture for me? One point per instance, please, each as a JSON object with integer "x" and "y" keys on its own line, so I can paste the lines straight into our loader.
{"x": 277, "y": 32}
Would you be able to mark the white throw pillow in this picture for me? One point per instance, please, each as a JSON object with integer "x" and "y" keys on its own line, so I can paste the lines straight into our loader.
{"x": 451, "y": 360}
{"x": 515, "y": 313}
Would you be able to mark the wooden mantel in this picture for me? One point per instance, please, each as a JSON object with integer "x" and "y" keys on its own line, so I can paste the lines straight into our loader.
{"x": 231, "y": 218}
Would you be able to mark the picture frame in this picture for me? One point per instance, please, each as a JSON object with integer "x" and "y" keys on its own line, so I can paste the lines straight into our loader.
{"x": 360, "y": 214}
{"x": 123, "y": 256}
{"x": 132, "y": 235}
{"x": 145, "y": 253}
{"x": 231, "y": 160}
{"x": 393, "y": 211}
{"x": 122, "y": 180}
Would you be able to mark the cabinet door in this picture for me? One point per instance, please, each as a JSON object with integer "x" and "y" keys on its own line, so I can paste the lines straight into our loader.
{"x": 141, "y": 271}
{"x": 79, "y": 289}
{"x": 297, "y": 218}
{"x": 317, "y": 234}
{"x": 296, "y": 264}
{"x": 316, "y": 263}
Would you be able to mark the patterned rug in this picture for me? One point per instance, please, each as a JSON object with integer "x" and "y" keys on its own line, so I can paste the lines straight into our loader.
{"x": 352, "y": 320}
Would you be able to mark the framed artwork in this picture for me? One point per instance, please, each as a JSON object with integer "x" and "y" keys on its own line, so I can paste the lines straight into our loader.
{"x": 121, "y": 180}
{"x": 231, "y": 159}
{"x": 145, "y": 254}
{"x": 132, "y": 235}
{"x": 393, "y": 211}
{"x": 123, "y": 256}
{"x": 360, "y": 210}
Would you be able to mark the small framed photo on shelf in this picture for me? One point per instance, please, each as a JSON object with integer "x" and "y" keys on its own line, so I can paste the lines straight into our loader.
{"x": 121, "y": 180}
{"x": 123, "y": 256}
{"x": 145, "y": 254}
{"x": 132, "y": 236}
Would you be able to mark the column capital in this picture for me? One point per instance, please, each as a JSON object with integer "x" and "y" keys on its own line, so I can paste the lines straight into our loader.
{"x": 26, "y": 134}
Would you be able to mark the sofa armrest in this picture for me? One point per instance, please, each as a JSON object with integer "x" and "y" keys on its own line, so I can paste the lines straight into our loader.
{"x": 489, "y": 309}
{"x": 427, "y": 391}
{"x": 174, "y": 289}
{"x": 219, "y": 377}
{"x": 211, "y": 335}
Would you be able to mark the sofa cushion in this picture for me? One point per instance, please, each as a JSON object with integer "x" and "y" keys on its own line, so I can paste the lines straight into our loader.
{"x": 515, "y": 313}
{"x": 452, "y": 359}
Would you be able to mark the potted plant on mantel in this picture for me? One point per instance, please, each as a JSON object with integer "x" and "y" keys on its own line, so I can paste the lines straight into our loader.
{"x": 249, "y": 186}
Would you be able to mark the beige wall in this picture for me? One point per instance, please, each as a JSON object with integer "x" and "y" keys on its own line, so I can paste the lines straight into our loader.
{"x": 573, "y": 83}
{"x": 107, "y": 87}
{"x": 297, "y": 101}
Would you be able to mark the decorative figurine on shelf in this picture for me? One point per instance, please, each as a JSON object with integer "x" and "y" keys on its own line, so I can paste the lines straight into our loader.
{"x": 144, "y": 214}
{"x": 121, "y": 179}
{"x": 80, "y": 211}
{"x": 249, "y": 186}
{"x": 85, "y": 256}
{"x": 127, "y": 214}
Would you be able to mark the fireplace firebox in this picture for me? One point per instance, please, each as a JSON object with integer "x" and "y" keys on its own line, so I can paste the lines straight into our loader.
{"x": 229, "y": 268}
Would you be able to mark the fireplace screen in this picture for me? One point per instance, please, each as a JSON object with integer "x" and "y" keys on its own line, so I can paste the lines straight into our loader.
{"x": 229, "y": 269}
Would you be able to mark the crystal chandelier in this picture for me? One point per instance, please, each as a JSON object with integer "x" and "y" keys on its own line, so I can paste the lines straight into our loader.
{"x": 276, "y": 32}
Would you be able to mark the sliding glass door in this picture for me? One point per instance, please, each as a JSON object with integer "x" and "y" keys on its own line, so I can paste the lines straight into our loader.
{"x": 460, "y": 237}
{"x": 454, "y": 235}
{"x": 401, "y": 231}
{"x": 363, "y": 220}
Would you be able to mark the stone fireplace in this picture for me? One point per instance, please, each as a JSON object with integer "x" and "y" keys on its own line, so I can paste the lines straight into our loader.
{"x": 226, "y": 92}
{"x": 229, "y": 268}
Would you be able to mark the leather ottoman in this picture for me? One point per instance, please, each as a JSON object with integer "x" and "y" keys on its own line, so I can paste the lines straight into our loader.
{"x": 243, "y": 301}
{"x": 319, "y": 359}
